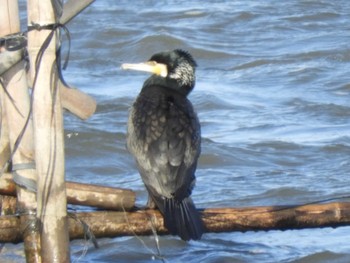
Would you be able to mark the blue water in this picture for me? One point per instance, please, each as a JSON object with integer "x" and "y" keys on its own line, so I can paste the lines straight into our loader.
{"x": 272, "y": 95}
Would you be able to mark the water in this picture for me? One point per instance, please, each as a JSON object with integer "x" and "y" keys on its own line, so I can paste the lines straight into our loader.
{"x": 272, "y": 95}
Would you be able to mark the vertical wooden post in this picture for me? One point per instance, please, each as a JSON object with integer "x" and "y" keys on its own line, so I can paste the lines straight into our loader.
{"x": 4, "y": 134}
{"x": 16, "y": 85}
{"x": 48, "y": 136}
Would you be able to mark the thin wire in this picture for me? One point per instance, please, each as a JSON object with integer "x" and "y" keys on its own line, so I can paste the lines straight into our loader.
{"x": 140, "y": 240}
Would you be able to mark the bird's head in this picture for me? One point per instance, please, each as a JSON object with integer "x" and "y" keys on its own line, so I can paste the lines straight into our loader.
{"x": 175, "y": 66}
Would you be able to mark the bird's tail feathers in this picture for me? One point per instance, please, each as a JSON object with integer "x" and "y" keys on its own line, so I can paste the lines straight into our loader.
{"x": 182, "y": 218}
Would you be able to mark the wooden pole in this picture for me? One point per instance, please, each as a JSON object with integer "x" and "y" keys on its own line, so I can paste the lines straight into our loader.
{"x": 217, "y": 220}
{"x": 5, "y": 150}
{"x": 48, "y": 134}
{"x": 17, "y": 112}
{"x": 98, "y": 196}
{"x": 73, "y": 100}
{"x": 9, "y": 58}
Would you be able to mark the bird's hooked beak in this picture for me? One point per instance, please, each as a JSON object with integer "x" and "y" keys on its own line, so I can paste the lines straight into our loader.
{"x": 149, "y": 66}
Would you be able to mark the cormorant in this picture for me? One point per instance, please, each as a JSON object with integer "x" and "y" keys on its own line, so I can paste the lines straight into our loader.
{"x": 164, "y": 137}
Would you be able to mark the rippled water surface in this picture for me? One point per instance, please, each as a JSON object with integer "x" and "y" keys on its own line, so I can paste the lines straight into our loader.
{"x": 272, "y": 95}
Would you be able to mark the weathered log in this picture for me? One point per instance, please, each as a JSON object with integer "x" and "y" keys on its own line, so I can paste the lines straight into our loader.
{"x": 77, "y": 102}
{"x": 8, "y": 205}
{"x": 277, "y": 217}
{"x": 85, "y": 194}
{"x": 10, "y": 229}
{"x": 7, "y": 186}
{"x": 100, "y": 196}
{"x": 141, "y": 222}
{"x": 218, "y": 219}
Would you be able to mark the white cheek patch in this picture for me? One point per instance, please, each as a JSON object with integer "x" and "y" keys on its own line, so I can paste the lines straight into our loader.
{"x": 184, "y": 74}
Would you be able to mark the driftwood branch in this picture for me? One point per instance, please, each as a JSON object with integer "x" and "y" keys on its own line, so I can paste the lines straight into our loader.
{"x": 84, "y": 194}
{"x": 112, "y": 224}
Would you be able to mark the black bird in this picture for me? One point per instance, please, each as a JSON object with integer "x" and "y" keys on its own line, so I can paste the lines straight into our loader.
{"x": 164, "y": 137}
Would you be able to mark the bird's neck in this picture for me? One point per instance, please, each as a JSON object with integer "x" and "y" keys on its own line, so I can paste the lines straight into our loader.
{"x": 167, "y": 85}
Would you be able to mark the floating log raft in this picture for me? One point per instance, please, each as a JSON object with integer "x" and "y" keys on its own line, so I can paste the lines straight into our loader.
{"x": 216, "y": 220}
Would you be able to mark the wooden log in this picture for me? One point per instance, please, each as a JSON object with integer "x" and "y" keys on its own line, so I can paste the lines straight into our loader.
{"x": 8, "y": 205}
{"x": 10, "y": 229}
{"x": 217, "y": 220}
{"x": 77, "y": 102}
{"x": 277, "y": 217}
{"x": 7, "y": 186}
{"x": 17, "y": 111}
{"x": 85, "y": 194}
{"x": 48, "y": 134}
{"x": 100, "y": 196}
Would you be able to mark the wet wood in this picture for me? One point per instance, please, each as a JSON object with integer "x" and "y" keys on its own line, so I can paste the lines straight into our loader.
{"x": 277, "y": 217}
{"x": 217, "y": 220}
{"x": 85, "y": 194}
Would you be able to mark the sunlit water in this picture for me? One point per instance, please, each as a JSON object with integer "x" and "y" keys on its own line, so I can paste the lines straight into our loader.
{"x": 272, "y": 95}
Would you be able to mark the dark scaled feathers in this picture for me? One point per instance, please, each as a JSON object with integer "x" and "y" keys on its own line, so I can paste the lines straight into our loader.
{"x": 164, "y": 137}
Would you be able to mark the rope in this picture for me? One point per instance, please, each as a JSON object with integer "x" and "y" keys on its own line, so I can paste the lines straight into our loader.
{"x": 22, "y": 181}
{"x": 18, "y": 41}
